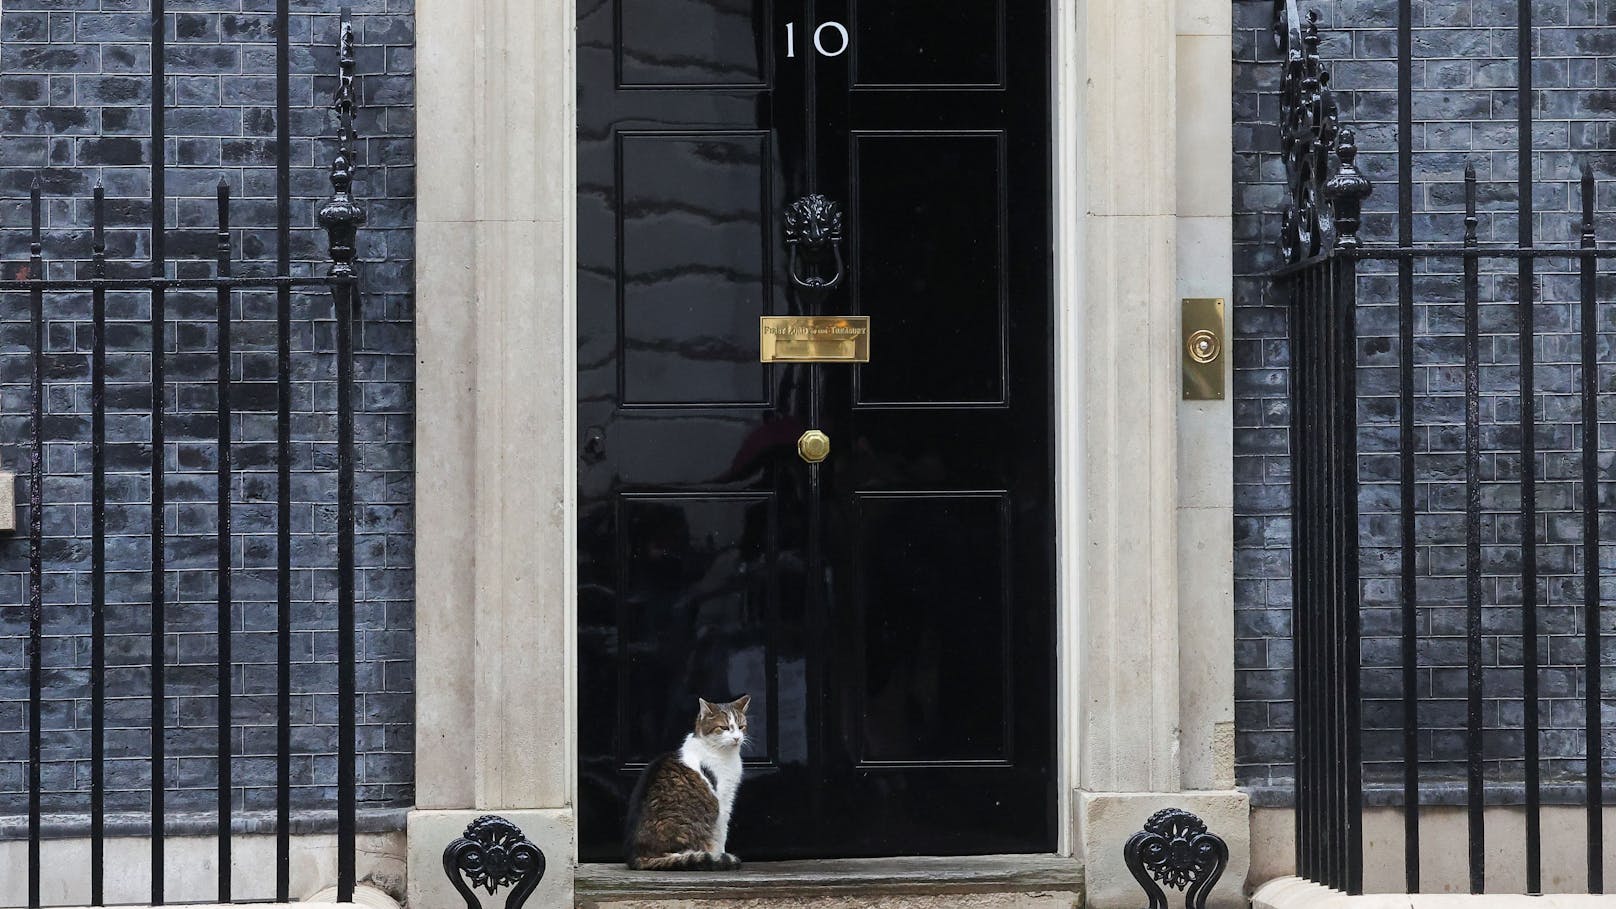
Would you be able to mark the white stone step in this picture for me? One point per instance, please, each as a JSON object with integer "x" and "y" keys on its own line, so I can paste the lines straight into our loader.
{"x": 971, "y": 882}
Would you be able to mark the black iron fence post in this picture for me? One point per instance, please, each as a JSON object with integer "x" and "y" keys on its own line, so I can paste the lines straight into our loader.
{"x": 341, "y": 218}
{"x": 1346, "y": 191}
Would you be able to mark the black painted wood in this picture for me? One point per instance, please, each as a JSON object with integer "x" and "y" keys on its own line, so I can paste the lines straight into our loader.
{"x": 890, "y": 610}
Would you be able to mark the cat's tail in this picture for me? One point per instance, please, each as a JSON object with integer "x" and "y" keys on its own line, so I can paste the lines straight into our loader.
{"x": 684, "y": 861}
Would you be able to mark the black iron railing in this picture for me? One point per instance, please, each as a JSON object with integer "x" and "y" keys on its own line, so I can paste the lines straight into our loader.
{"x": 341, "y": 218}
{"x": 1327, "y": 266}
{"x": 1319, "y": 287}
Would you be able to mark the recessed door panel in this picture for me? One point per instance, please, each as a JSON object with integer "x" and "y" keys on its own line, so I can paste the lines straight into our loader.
{"x": 694, "y": 276}
{"x": 929, "y": 265}
{"x": 933, "y": 590}
{"x": 915, "y": 42}
{"x": 695, "y": 613}
{"x": 691, "y": 43}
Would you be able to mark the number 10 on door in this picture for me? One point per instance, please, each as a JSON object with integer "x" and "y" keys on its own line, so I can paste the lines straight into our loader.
{"x": 830, "y": 39}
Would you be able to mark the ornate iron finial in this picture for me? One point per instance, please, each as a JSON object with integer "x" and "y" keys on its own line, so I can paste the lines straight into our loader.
{"x": 98, "y": 231}
{"x": 1309, "y": 126}
{"x": 1587, "y": 202}
{"x": 1471, "y": 222}
{"x": 1175, "y": 850}
{"x": 36, "y": 208}
{"x": 1347, "y": 190}
{"x": 492, "y": 854}
{"x": 813, "y": 225}
{"x": 341, "y": 216}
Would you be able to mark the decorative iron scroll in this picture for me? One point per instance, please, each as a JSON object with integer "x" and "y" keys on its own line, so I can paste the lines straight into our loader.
{"x": 1322, "y": 210}
{"x": 493, "y": 853}
{"x": 1175, "y": 850}
{"x": 341, "y": 216}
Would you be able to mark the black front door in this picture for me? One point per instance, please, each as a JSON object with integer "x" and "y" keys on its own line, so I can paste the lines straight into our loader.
{"x": 890, "y": 608}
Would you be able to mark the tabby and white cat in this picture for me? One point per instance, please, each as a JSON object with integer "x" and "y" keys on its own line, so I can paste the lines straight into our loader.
{"x": 678, "y": 817}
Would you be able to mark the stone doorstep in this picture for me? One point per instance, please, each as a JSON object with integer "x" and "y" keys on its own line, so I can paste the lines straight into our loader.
{"x": 791, "y": 882}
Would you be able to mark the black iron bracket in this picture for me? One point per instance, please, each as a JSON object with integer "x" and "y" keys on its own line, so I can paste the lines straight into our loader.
{"x": 1175, "y": 850}
{"x": 493, "y": 853}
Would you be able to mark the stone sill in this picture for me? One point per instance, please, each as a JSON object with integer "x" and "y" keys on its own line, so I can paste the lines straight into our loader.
{"x": 927, "y": 876}
{"x": 267, "y": 906}
{"x": 1295, "y": 893}
{"x": 200, "y": 823}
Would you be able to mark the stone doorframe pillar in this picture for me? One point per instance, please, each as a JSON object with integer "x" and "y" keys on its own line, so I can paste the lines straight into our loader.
{"x": 494, "y": 433}
{"x": 1142, "y": 136}
{"x": 1154, "y": 579}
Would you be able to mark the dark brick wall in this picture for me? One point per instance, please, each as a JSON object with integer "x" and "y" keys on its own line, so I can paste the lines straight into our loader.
{"x": 1465, "y": 108}
{"x": 75, "y": 108}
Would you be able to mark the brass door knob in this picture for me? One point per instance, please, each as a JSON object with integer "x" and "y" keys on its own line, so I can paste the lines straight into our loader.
{"x": 813, "y": 446}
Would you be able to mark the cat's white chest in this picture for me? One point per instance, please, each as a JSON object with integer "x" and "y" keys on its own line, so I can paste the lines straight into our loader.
{"x": 722, "y": 770}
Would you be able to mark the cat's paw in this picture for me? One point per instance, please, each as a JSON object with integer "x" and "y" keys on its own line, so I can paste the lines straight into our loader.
{"x": 727, "y": 861}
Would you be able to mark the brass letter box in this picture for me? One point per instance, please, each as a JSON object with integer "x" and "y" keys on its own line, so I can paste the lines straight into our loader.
{"x": 814, "y": 339}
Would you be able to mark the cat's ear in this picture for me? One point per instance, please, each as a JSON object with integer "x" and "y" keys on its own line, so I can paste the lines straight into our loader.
{"x": 707, "y": 708}
{"x": 740, "y": 703}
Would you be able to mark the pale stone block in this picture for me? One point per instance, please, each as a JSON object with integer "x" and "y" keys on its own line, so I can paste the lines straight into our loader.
{"x": 430, "y": 832}
{"x": 524, "y": 104}
{"x": 1206, "y": 645}
{"x": 379, "y": 863}
{"x": 1273, "y": 843}
{"x": 1130, "y": 390}
{"x": 1205, "y": 258}
{"x": 446, "y": 520}
{"x": 190, "y": 869}
{"x": 1129, "y": 107}
{"x": 1204, "y": 17}
{"x": 1206, "y": 444}
{"x": 363, "y": 895}
{"x": 1444, "y": 858}
{"x": 1105, "y": 821}
{"x": 1206, "y": 517}
{"x": 523, "y": 534}
{"x": 1206, "y": 453}
{"x": 1205, "y": 135}
{"x": 445, "y": 82}
{"x": 554, "y": 157}
{"x": 495, "y": 380}
{"x": 1204, "y": 252}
